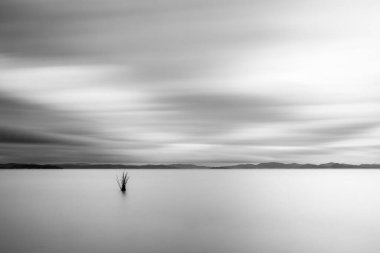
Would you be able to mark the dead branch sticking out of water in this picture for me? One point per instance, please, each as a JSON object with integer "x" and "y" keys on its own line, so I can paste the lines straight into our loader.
{"x": 122, "y": 182}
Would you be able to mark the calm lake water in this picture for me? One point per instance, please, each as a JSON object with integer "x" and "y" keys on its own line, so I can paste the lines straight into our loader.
{"x": 188, "y": 211}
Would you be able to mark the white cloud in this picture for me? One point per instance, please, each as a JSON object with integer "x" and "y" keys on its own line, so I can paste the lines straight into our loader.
{"x": 198, "y": 81}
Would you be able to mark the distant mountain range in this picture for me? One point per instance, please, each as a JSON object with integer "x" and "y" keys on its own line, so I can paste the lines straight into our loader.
{"x": 269, "y": 165}
{"x": 276, "y": 165}
{"x": 28, "y": 166}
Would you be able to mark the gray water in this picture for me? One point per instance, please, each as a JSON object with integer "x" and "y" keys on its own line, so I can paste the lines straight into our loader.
{"x": 186, "y": 211}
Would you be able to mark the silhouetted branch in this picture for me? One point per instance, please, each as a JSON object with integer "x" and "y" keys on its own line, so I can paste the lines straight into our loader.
{"x": 123, "y": 181}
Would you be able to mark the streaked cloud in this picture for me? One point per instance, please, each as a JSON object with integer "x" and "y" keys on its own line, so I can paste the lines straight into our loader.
{"x": 189, "y": 81}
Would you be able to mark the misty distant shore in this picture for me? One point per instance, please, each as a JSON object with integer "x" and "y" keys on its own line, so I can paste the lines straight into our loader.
{"x": 268, "y": 165}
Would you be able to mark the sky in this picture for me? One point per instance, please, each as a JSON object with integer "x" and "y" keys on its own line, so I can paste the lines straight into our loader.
{"x": 189, "y": 81}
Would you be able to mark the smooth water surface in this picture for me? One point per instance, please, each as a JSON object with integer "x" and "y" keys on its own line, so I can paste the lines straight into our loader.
{"x": 188, "y": 211}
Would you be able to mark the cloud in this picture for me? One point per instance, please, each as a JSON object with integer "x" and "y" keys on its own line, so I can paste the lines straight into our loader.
{"x": 25, "y": 116}
{"x": 209, "y": 113}
{"x": 162, "y": 40}
{"x": 17, "y": 136}
{"x": 28, "y": 128}
{"x": 181, "y": 80}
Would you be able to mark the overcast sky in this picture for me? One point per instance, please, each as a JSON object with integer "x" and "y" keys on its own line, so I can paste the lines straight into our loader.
{"x": 190, "y": 81}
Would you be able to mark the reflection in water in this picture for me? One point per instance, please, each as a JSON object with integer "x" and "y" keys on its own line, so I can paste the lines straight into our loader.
{"x": 185, "y": 211}
{"x": 124, "y": 193}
